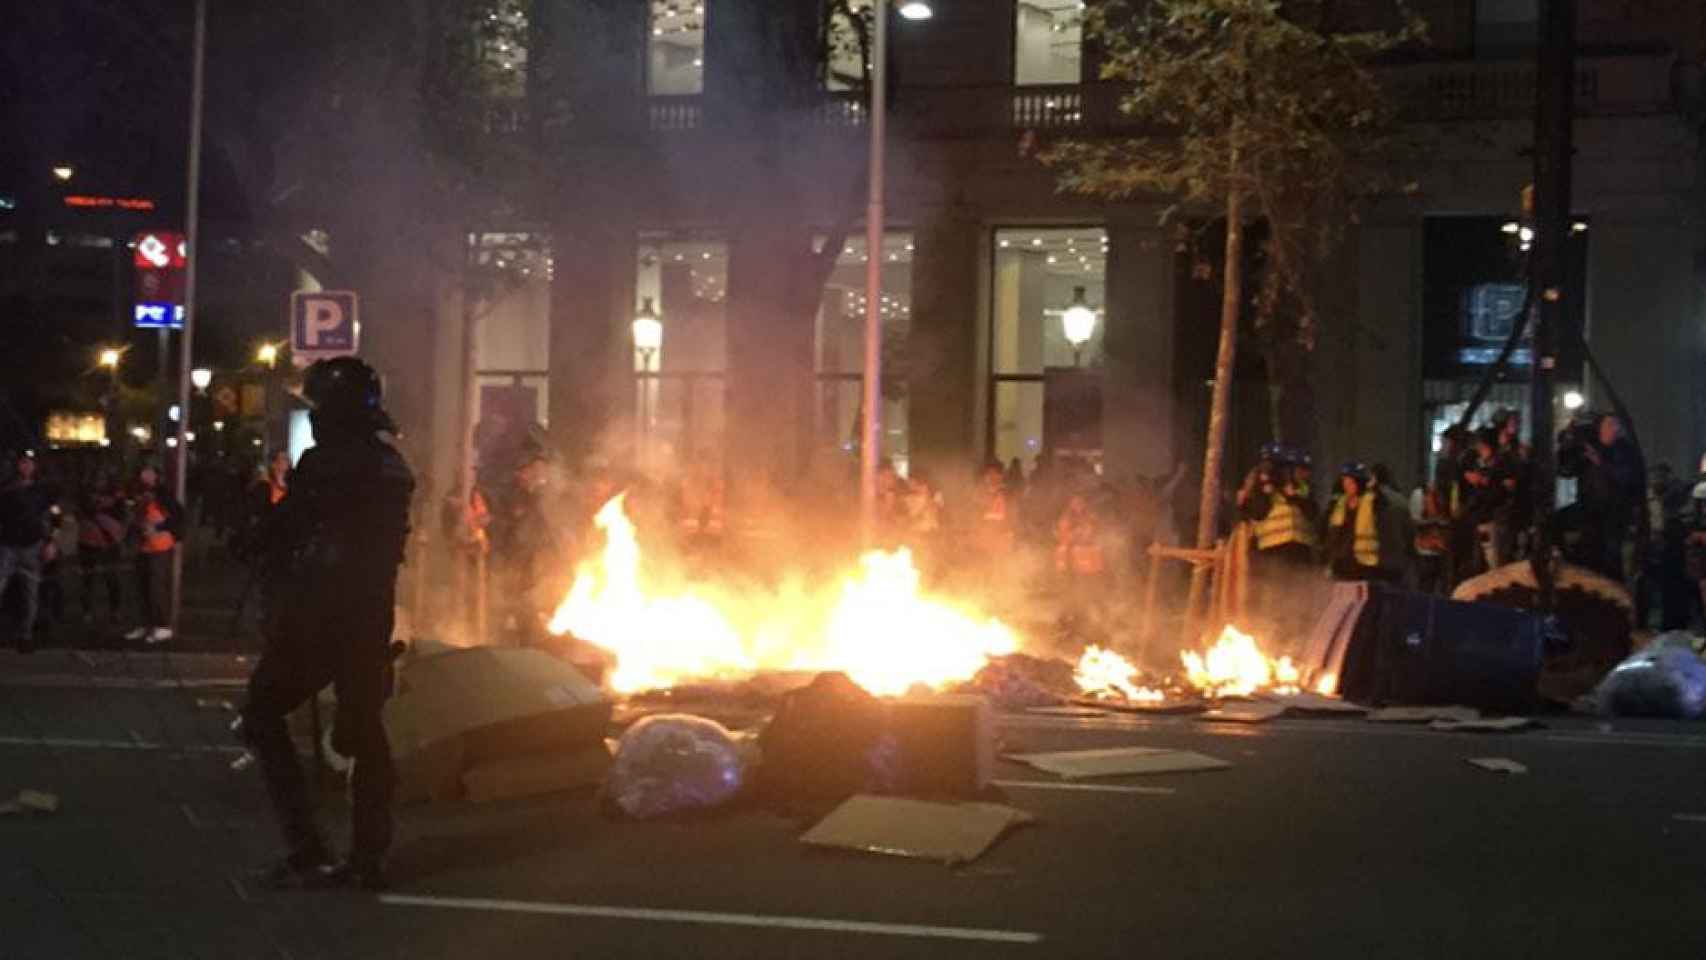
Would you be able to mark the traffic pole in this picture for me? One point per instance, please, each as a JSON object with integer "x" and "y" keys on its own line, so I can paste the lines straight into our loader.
{"x": 192, "y": 213}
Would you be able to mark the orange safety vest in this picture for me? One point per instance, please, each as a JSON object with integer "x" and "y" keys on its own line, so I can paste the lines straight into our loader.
{"x": 153, "y": 517}
{"x": 1080, "y": 549}
{"x": 994, "y": 530}
{"x": 275, "y": 491}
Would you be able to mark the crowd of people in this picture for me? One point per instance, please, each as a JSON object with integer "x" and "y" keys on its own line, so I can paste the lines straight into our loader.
{"x": 98, "y": 525}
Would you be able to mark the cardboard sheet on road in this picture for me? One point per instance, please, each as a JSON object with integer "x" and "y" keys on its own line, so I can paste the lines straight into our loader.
{"x": 1315, "y": 703}
{"x": 1484, "y": 725}
{"x": 1118, "y": 762}
{"x": 948, "y": 833}
{"x": 1423, "y": 714}
{"x": 1244, "y": 713}
{"x": 1498, "y": 764}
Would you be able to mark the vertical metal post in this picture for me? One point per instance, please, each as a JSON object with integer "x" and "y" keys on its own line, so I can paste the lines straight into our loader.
{"x": 192, "y": 253}
{"x": 1555, "y": 82}
{"x": 871, "y": 430}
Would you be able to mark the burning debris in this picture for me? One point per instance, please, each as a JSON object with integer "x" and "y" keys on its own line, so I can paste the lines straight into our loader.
{"x": 1236, "y": 667}
{"x": 1105, "y": 675}
{"x": 876, "y": 625}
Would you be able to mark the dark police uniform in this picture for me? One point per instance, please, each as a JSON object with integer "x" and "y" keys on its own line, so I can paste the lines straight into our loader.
{"x": 339, "y": 535}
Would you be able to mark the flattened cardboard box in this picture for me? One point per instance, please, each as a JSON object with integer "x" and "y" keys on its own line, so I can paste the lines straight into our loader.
{"x": 1118, "y": 762}
{"x": 948, "y": 833}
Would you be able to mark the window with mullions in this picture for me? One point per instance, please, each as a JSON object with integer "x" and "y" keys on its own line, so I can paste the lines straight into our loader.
{"x": 841, "y": 347}
{"x": 510, "y": 275}
{"x": 1049, "y": 287}
{"x": 682, "y": 281}
{"x": 675, "y": 51}
{"x": 1048, "y": 42}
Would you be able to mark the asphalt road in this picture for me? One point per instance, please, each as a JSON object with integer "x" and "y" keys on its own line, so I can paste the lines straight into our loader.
{"x": 1326, "y": 838}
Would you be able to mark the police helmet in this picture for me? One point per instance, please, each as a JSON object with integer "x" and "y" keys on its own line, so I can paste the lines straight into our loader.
{"x": 1355, "y": 469}
{"x": 1273, "y": 450}
{"x": 347, "y": 390}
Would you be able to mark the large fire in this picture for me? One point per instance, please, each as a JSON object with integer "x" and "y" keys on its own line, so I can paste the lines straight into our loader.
{"x": 877, "y": 625}
{"x": 1236, "y": 667}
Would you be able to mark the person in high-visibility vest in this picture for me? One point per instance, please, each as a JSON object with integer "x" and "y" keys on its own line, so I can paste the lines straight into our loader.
{"x": 993, "y": 525}
{"x": 1352, "y": 534}
{"x": 157, "y": 522}
{"x": 1275, "y": 500}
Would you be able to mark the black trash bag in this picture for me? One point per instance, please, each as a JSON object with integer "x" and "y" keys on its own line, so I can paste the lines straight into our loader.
{"x": 673, "y": 763}
{"x": 1665, "y": 679}
{"x": 826, "y": 742}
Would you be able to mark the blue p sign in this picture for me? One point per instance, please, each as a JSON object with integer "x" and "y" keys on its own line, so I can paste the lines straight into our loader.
{"x": 323, "y": 324}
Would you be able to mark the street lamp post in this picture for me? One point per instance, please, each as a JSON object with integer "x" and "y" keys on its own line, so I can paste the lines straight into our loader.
{"x": 870, "y": 438}
{"x": 267, "y": 356}
{"x": 192, "y": 214}
{"x": 108, "y": 359}
{"x": 648, "y": 339}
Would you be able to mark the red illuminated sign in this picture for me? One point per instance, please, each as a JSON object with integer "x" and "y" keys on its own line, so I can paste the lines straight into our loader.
{"x": 121, "y": 203}
{"x": 159, "y": 250}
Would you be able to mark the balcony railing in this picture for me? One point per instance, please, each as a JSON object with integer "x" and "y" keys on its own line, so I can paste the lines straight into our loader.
{"x": 1433, "y": 92}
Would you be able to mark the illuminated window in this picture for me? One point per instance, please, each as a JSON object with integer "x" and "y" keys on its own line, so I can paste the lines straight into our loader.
{"x": 1048, "y": 42}
{"x": 675, "y": 61}
{"x": 678, "y": 396}
{"x": 512, "y": 274}
{"x": 841, "y": 347}
{"x": 1038, "y": 276}
{"x": 501, "y": 37}
{"x": 847, "y": 55}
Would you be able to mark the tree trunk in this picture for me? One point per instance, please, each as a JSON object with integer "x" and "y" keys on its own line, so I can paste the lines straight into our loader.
{"x": 1232, "y": 295}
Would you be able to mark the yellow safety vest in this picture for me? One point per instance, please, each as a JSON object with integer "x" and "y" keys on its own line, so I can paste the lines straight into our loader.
{"x": 1366, "y": 545}
{"x": 1284, "y": 524}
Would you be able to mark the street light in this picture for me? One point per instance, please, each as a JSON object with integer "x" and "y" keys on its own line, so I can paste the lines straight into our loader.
{"x": 267, "y": 355}
{"x": 1078, "y": 323}
{"x": 63, "y": 173}
{"x": 201, "y": 377}
{"x": 1573, "y": 400}
{"x": 648, "y": 339}
{"x": 109, "y": 358}
{"x": 870, "y": 432}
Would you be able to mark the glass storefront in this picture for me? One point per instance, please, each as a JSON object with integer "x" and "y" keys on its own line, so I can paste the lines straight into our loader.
{"x": 1048, "y": 42}
{"x": 511, "y": 274}
{"x": 1048, "y": 284}
{"x": 841, "y": 348}
{"x": 682, "y": 281}
{"x": 675, "y": 51}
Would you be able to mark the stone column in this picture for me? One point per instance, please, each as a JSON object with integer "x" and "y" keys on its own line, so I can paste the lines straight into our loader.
{"x": 1138, "y": 393}
{"x": 942, "y": 357}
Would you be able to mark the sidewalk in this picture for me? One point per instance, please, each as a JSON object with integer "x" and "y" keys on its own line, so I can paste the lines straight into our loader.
{"x": 123, "y": 669}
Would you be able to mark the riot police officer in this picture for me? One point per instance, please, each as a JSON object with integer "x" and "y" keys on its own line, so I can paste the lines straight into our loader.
{"x": 339, "y": 533}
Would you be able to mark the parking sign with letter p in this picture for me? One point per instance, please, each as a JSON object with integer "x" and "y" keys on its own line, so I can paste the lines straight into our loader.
{"x": 323, "y": 324}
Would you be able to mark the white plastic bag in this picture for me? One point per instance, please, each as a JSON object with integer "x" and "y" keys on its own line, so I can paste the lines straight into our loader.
{"x": 672, "y": 763}
{"x": 1666, "y": 679}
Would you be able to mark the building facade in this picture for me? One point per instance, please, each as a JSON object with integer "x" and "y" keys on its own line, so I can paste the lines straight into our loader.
{"x": 703, "y": 182}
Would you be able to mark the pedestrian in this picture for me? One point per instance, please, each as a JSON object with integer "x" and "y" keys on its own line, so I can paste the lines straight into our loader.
{"x": 921, "y": 520}
{"x": 994, "y": 522}
{"x": 1486, "y": 502}
{"x": 100, "y": 541}
{"x": 1663, "y": 583}
{"x": 1431, "y": 519}
{"x": 1282, "y": 520}
{"x": 1397, "y": 532}
{"x": 343, "y": 527}
{"x": 156, "y": 527}
{"x": 1352, "y": 535}
{"x": 25, "y": 503}
{"x": 1611, "y": 491}
{"x": 523, "y": 542}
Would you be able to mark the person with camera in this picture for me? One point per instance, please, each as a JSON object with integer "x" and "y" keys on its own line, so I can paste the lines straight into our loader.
{"x": 1352, "y": 538}
{"x": 1275, "y": 500}
{"x": 1608, "y": 469}
{"x": 338, "y": 535}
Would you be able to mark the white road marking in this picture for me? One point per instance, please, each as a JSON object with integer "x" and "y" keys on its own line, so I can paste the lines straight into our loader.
{"x": 1311, "y": 726}
{"x": 713, "y": 919}
{"x": 1082, "y": 787}
{"x": 1690, "y": 817}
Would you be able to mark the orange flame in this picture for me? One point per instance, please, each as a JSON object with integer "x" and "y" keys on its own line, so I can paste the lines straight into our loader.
{"x": 1102, "y": 673}
{"x": 878, "y": 627}
{"x": 1236, "y": 667}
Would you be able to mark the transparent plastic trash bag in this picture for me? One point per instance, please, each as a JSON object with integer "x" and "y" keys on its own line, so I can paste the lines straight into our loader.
{"x": 673, "y": 763}
{"x": 1665, "y": 679}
